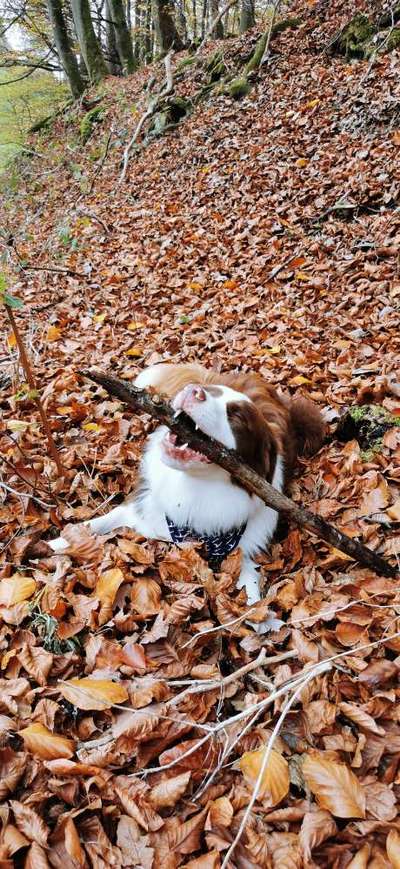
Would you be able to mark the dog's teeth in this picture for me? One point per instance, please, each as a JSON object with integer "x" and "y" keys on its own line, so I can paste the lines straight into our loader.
{"x": 183, "y": 447}
{"x": 177, "y": 412}
{"x": 196, "y": 427}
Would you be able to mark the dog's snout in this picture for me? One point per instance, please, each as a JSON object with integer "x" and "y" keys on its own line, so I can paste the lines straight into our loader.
{"x": 197, "y": 393}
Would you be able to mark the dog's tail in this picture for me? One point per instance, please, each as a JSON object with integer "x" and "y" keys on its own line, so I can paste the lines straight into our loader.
{"x": 308, "y": 425}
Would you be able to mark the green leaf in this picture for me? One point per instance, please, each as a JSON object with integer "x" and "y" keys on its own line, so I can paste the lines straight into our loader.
{"x": 12, "y": 301}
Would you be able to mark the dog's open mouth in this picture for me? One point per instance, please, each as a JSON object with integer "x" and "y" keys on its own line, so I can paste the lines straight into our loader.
{"x": 181, "y": 452}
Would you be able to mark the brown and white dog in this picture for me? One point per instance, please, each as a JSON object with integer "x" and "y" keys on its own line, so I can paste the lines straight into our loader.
{"x": 183, "y": 496}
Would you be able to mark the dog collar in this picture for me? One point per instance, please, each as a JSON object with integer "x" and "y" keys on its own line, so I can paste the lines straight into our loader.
{"x": 216, "y": 546}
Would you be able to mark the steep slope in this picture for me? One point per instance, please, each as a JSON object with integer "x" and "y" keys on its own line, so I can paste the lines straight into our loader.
{"x": 261, "y": 233}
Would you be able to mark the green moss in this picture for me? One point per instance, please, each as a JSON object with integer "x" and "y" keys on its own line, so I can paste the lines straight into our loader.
{"x": 238, "y": 88}
{"x": 88, "y": 122}
{"x": 258, "y": 52}
{"x": 187, "y": 61}
{"x": 394, "y": 40}
{"x": 355, "y": 37}
{"x": 367, "y": 456}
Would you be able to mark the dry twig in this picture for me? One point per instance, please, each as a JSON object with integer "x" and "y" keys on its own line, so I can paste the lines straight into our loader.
{"x": 228, "y": 459}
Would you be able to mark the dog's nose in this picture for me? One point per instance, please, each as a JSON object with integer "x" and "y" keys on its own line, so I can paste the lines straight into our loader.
{"x": 195, "y": 393}
{"x": 189, "y": 395}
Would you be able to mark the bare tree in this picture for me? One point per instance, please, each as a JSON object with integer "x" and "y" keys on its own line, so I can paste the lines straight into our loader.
{"x": 247, "y": 15}
{"x": 89, "y": 45}
{"x": 65, "y": 51}
{"x": 166, "y": 30}
{"x": 123, "y": 37}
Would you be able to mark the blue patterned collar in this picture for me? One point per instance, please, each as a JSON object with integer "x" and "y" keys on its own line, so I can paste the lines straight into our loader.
{"x": 216, "y": 546}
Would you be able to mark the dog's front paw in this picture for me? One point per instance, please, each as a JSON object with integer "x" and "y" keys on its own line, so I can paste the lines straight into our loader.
{"x": 250, "y": 581}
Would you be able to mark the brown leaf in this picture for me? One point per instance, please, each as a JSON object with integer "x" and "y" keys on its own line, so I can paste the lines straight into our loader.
{"x": 378, "y": 672}
{"x": 93, "y": 693}
{"x": 36, "y": 858}
{"x": 211, "y": 860}
{"x": 393, "y": 848}
{"x": 146, "y": 596}
{"x": 39, "y": 740}
{"x": 29, "y": 823}
{"x": 316, "y": 827}
{"x": 166, "y": 794}
{"x": 82, "y": 544}
{"x": 380, "y": 801}
{"x": 361, "y": 859}
{"x": 334, "y": 786}
{"x": 12, "y": 767}
{"x": 376, "y": 499}
{"x": 361, "y": 718}
{"x": 220, "y": 813}
{"x": 275, "y": 780}
{"x": 133, "y": 845}
{"x": 13, "y": 840}
{"x": 66, "y": 850}
{"x": 37, "y": 662}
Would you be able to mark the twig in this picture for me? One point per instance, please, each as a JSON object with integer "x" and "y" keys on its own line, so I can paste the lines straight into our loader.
{"x": 92, "y": 216}
{"x": 275, "y": 8}
{"x": 289, "y": 703}
{"x": 206, "y": 683}
{"x": 150, "y": 111}
{"x": 231, "y": 462}
{"x": 25, "y": 495}
{"x": 57, "y": 269}
{"x": 379, "y": 47}
{"x": 31, "y": 380}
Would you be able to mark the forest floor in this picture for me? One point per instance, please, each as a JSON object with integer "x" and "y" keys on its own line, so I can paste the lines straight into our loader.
{"x": 261, "y": 234}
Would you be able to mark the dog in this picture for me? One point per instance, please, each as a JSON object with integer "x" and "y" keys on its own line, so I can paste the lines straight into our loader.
{"x": 183, "y": 496}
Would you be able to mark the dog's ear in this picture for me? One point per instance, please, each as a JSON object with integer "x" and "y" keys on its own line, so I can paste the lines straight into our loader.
{"x": 254, "y": 441}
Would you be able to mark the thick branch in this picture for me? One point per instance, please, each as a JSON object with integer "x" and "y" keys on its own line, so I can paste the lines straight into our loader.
{"x": 155, "y": 406}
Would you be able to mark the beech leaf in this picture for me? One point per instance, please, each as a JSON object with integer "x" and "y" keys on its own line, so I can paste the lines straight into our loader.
{"x": 335, "y": 787}
{"x": 97, "y": 694}
{"x": 39, "y": 740}
{"x": 275, "y": 781}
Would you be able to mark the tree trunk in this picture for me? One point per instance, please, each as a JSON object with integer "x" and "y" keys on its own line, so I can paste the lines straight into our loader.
{"x": 113, "y": 62}
{"x": 204, "y": 18}
{"x": 247, "y": 18}
{"x": 218, "y": 32}
{"x": 166, "y": 31}
{"x": 65, "y": 52}
{"x": 90, "y": 48}
{"x": 194, "y": 16}
{"x": 122, "y": 36}
{"x": 128, "y": 12}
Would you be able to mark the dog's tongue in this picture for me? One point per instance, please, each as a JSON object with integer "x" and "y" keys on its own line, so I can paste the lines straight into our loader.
{"x": 184, "y": 453}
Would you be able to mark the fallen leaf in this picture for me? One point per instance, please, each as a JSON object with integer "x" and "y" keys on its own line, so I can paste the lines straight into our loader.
{"x": 275, "y": 779}
{"x": 393, "y": 848}
{"x": 39, "y": 740}
{"x": 16, "y": 589}
{"x": 334, "y": 786}
{"x": 93, "y": 693}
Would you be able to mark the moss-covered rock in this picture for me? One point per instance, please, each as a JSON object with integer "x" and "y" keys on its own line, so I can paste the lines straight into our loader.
{"x": 366, "y": 424}
{"x": 354, "y": 39}
{"x": 89, "y": 121}
{"x": 216, "y": 67}
{"x": 169, "y": 114}
{"x": 187, "y": 61}
{"x": 394, "y": 39}
{"x": 279, "y": 27}
{"x": 238, "y": 88}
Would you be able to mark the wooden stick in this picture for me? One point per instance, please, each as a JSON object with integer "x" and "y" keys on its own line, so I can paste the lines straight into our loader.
{"x": 183, "y": 426}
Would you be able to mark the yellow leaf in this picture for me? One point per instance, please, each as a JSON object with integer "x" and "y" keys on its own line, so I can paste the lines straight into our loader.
{"x": 39, "y": 740}
{"x": 302, "y": 276}
{"x": 394, "y": 511}
{"x": 135, "y": 324}
{"x": 105, "y": 591}
{"x": 11, "y": 340}
{"x": 301, "y": 162}
{"x": 53, "y": 333}
{"x": 335, "y": 786}
{"x": 97, "y": 694}
{"x": 299, "y": 380}
{"x": 91, "y": 426}
{"x": 312, "y": 104}
{"x": 65, "y": 410}
{"x": 99, "y": 318}
{"x": 134, "y": 351}
{"x": 16, "y": 589}
{"x": 194, "y": 285}
{"x": 230, "y": 285}
{"x": 275, "y": 781}
{"x": 342, "y": 344}
{"x": 393, "y": 848}
{"x": 17, "y": 425}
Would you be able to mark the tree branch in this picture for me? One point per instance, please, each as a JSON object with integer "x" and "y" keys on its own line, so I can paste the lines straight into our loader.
{"x": 160, "y": 409}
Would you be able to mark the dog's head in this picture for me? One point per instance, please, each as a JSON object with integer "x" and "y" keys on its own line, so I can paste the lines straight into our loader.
{"x": 228, "y": 416}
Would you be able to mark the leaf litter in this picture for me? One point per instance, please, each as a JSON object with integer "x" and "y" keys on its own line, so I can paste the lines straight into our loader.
{"x": 134, "y": 726}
